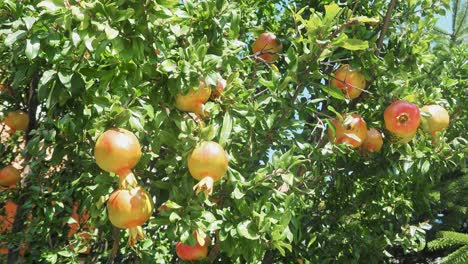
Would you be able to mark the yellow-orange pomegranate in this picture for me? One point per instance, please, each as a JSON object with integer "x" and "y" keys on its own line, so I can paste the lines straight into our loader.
{"x": 17, "y": 120}
{"x": 352, "y": 131}
{"x": 267, "y": 46}
{"x": 350, "y": 81}
{"x": 130, "y": 208}
{"x": 373, "y": 142}
{"x": 402, "y": 120}
{"x": 9, "y": 176}
{"x": 207, "y": 163}
{"x": 194, "y": 100}
{"x": 438, "y": 120}
{"x": 193, "y": 253}
{"x": 117, "y": 150}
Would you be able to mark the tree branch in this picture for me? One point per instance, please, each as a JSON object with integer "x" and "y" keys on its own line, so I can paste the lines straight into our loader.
{"x": 385, "y": 26}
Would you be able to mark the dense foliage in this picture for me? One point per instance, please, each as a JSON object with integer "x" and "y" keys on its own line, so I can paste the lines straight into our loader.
{"x": 78, "y": 68}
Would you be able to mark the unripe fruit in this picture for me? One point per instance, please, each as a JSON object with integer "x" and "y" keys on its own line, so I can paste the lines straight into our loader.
{"x": 129, "y": 208}
{"x": 17, "y": 120}
{"x": 402, "y": 120}
{"x": 194, "y": 100}
{"x": 193, "y": 253}
{"x": 267, "y": 44}
{"x": 117, "y": 150}
{"x": 352, "y": 131}
{"x": 373, "y": 142}
{"x": 207, "y": 163}
{"x": 9, "y": 176}
{"x": 438, "y": 121}
{"x": 351, "y": 82}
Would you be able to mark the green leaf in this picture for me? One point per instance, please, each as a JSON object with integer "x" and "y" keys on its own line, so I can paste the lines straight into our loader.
{"x": 13, "y": 37}
{"x": 110, "y": 32}
{"x": 29, "y": 22}
{"x": 364, "y": 19}
{"x": 51, "y": 5}
{"x": 32, "y": 48}
{"x": 246, "y": 229}
{"x": 226, "y": 129}
{"x": 354, "y": 44}
{"x": 333, "y": 91}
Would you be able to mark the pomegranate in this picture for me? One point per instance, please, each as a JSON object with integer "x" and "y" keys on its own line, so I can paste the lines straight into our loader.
{"x": 130, "y": 209}
{"x": 194, "y": 100}
{"x": 221, "y": 85}
{"x": 207, "y": 163}
{"x": 17, "y": 120}
{"x": 117, "y": 150}
{"x": 193, "y": 253}
{"x": 352, "y": 131}
{"x": 438, "y": 121}
{"x": 9, "y": 176}
{"x": 267, "y": 47}
{"x": 373, "y": 142}
{"x": 402, "y": 120}
{"x": 350, "y": 81}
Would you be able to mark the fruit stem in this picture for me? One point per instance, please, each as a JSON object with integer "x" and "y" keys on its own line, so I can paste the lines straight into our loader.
{"x": 204, "y": 185}
{"x": 127, "y": 180}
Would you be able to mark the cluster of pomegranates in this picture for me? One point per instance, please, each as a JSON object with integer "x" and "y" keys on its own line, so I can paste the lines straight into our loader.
{"x": 117, "y": 150}
{"x": 10, "y": 176}
{"x": 402, "y": 119}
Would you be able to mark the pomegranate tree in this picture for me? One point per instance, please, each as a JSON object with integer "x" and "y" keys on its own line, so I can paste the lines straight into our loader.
{"x": 402, "y": 120}
{"x": 352, "y": 131}
{"x": 350, "y": 81}
{"x": 193, "y": 253}
{"x": 9, "y": 176}
{"x": 17, "y": 120}
{"x": 207, "y": 163}
{"x": 373, "y": 142}
{"x": 194, "y": 100}
{"x": 437, "y": 119}
{"x": 267, "y": 47}
{"x": 117, "y": 150}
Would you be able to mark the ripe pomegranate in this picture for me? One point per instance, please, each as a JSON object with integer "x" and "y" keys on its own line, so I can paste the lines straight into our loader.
{"x": 352, "y": 131}
{"x": 268, "y": 47}
{"x": 207, "y": 163}
{"x": 350, "y": 81}
{"x": 219, "y": 88}
{"x": 402, "y": 120}
{"x": 9, "y": 176}
{"x": 117, "y": 150}
{"x": 130, "y": 209}
{"x": 373, "y": 142}
{"x": 17, "y": 120}
{"x": 193, "y": 253}
{"x": 438, "y": 121}
{"x": 194, "y": 100}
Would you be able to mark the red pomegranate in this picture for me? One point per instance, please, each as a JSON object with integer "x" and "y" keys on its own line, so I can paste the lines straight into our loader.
{"x": 269, "y": 46}
{"x": 193, "y": 253}
{"x": 402, "y": 120}
{"x": 373, "y": 142}
{"x": 352, "y": 131}
{"x": 350, "y": 81}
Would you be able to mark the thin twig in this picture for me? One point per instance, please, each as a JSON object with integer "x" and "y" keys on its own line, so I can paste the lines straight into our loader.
{"x": 385, "y": 26}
